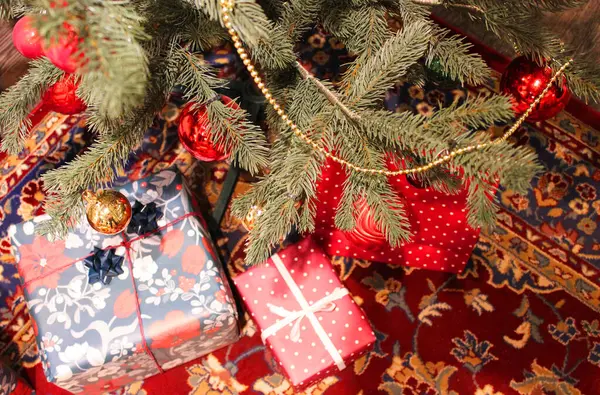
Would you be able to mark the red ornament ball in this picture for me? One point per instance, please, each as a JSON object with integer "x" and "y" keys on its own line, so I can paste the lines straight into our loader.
{"x": 195, "y": 134}
{"x": 366, "y": 233}
{"x": 62, "y": 96}
{"x": 524, "y": 80}
{"x": 63, "y": 51}
{"x": 27, "y": 39}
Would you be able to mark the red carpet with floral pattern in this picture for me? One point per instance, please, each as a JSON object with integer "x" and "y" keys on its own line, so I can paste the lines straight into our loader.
{"x": 521, "y": 319}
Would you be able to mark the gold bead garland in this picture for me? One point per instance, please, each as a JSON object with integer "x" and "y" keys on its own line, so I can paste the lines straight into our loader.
{"x": 227, "y": 8}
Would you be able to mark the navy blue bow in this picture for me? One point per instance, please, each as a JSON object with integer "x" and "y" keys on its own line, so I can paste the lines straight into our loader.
{"x": 103, "y": 265}
{"x": 144, "y": 218}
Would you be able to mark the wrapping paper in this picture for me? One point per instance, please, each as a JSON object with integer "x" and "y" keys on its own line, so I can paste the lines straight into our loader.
{"x": 301, "y": 353}
{"x": 90, "y": 336}
{"x": 11, "y": 384}
{"x": 442, "y": 239}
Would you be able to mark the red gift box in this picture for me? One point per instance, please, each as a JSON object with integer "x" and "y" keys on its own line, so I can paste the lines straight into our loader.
{"x": 442, "y": 239}
{"x": 11, "y": 383}
{"x": 307, "y": 318}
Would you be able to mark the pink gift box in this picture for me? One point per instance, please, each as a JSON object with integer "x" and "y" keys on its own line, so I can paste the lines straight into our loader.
{"x": 307, "y": 318}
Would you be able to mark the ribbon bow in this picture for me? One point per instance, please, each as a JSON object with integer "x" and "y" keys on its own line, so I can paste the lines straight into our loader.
{"x": 323, "y": 305}
{"x": 144, "y": 218}
{"x": 307, "y": 310}
{"x": 103, "y": 265}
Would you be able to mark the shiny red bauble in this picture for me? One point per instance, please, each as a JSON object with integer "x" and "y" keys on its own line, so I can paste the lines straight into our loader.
{"x": 63, "y": 51}
{"x": 524, "y": 80}
{"x": 62, "y": 96}
{"x": 27, "y": 39}
{"x": 195, "y": 134}
{"x": 366, "y": 233}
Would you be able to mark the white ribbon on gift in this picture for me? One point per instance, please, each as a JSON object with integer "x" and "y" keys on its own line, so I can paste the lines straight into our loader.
{"x": 322, "y": 305}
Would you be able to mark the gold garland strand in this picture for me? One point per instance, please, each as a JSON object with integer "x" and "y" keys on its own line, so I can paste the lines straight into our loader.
{"x": 227, "y": 8}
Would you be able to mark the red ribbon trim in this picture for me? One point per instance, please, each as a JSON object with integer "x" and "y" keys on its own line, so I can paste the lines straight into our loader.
{"x": 127, "y": 244}
{"x": 139, "y": 312}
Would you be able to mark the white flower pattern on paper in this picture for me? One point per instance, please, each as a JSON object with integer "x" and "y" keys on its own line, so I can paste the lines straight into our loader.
{"x": 144, "y": 268}
{"x": 51, "y": 342}
{"x": 63, "y": 373}
{"x": 121, "y": 347}
{"x": 88, "y": 339}
{"x": 66, "y": 303}
{"x": 74, "y": 353}
{"x": 163, "y": 289}
{"x": 73, "y": 241}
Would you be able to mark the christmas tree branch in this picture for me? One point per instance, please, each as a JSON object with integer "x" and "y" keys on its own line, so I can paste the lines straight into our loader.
{"x": 229, "y": 126}
{"x": 6, "y": 9}
{"x": 454, "y": 56}
{"x": 109, "y": 47}
{"x": 294, "y": 171}
{"x": 481, "y": 203}
{"x": 381, "y": 70}
{"x": 298, "y": 15}
{"x": 520, "y": 23}
{"x": 117, "y": 139}
{"x": 17, "y": 102}
{"x": 362, "y": 29}
{"x": 330, "y": 95}
{"x": 409, "y": 11}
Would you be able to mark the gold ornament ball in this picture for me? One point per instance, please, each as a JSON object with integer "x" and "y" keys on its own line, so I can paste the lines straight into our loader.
{"x": 250, "y": 220}
{"x": 107, "y": 211}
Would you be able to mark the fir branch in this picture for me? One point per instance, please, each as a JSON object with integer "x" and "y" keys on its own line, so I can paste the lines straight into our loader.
{"x": 229, "y": 125}
{"x": 410, "y": 11}
{"x": 583, "y": 77}
{"x": 294, "y": 172}
{"x": 363, "y": 30}
{"x": 195, "y": 76}
{"x": 274, "y": 52}
{"x": 203, "y": 35}
{"x": 269, "y": 44}
{"x": 97, "y": 166}
{"x": 329, "y": 94}
{"x": 454, "y": 55}
{"x": 17, "y": 102}
{"x": 390, "y": 62}
{"x": 521, "y": 6}
{"x": 105, "y": 158}
{"x": 481, "y": 204}
{"x": 520, "y": 26}
{"x": 183, "y": 20}
{"x": 250, "y": 22}
{"x": 298, "y": 15}
{"x": 113, "y": 59}
{"x": 428, "y": 136}
{"x": 6, "y": 9}
{"x": 231, "y": 129}
{"x": 477, "y": 112}
{"x": 385, "y": 206}
{"x": 273, "y": 8}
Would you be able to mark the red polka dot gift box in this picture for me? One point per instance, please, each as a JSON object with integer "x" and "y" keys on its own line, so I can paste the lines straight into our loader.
{"x": 442, "y": 239}
{"x": 309, "y": 322}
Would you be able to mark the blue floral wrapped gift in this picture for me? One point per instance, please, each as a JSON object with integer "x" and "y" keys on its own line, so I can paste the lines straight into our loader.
{"x": 110, "y": 310}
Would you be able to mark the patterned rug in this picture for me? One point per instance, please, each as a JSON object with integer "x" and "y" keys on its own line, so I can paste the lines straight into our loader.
{"x": 522, "y": 318}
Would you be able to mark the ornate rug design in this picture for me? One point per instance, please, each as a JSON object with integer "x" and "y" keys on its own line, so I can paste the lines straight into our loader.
{"x": 522, "y": 319}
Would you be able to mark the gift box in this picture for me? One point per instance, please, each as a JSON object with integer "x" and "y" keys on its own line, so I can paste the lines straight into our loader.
{"x": 110, "y": 310}
{"x": 442, "y": 239}
{"x": 11, "y": 384}
{"x": 308, "y": 320}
